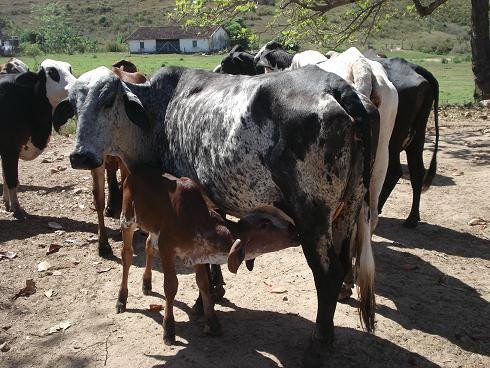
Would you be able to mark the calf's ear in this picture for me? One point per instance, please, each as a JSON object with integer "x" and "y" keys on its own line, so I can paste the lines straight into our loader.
{"x": 135, "y": 109}
{"x": 62, "y": 113}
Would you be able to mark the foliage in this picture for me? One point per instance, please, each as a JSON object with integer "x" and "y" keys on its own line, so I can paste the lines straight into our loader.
{"x": 240, "y": 34}
{"x": 55, "y": 34}
{"x": 32, "y": 50}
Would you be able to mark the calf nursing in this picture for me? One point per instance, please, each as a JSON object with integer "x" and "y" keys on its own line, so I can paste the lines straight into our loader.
{"x": 174, "y": 213}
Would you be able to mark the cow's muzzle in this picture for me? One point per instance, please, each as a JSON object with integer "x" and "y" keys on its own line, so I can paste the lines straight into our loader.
{"x": 84, "y": 161}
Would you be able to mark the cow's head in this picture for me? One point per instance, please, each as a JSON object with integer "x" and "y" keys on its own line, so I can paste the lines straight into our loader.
{"x": 126, "y": 66}
{"x": 14, "y": 66}
{"x": 263, "y": 231}
{"x": 105, "y": 108}
{"x": 59, "y": 79}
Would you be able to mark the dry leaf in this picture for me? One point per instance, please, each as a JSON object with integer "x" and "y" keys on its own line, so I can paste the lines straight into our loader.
{"x": 93, "y": 239}
{"x": 409, "y": 267}
{"x": 7, "y": 254}
{"x": 103, "y": 269}
{"x": 43, "y": 266}
{"x": 53, "y": 248}
{"x": 477, "y": 221}
{"x": 60, "y": 326}
{"x": 278, "y": 290}
{"x": 48, "y": 293}
{"x": 55, "y": 225}
{"x": 155, "y": 308}
{"x": 28, "y": 290}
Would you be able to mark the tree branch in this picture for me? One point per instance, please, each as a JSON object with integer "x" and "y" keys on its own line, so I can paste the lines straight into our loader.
{"x": 425, "y": 10}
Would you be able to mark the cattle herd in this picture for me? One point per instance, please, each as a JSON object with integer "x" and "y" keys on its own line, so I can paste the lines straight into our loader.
{"x": 221, "y": 167}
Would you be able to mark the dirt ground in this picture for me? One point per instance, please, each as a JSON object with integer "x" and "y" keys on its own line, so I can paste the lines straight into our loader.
{"x": 433, "y": 283}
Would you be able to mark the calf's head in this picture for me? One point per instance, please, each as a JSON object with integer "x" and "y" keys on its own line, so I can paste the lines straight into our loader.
{"x": 59, "y": 79}
{"x": 262, "y": 231}
{"x": 13, "y": 66}
{"x": 105, "y": 108}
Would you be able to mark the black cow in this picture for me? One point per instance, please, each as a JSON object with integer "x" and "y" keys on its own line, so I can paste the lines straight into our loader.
{"x": 249, "y": 143}
{"x": 239, "y": 62}
{"x": 418, "y": 91}
{"x": 273, "y": 57}
{"x": 25, "y": 128}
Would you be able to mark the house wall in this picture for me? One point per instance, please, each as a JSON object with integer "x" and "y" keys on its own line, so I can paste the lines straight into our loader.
{"x": 150, "y": 46}
{"x": 186, "y": 45}
{"x": 220, "y": 40}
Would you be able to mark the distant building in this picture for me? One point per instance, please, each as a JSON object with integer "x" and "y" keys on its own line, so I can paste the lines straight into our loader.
{"x": 8, "y": 45}
{"x": 176, "y": 39}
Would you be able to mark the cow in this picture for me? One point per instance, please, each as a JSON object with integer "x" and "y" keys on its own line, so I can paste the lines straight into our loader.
{"x": 369, "y": 78}
{"x": 175, "y": 214}
{"x": 13, "y": 66}
{"x": 273, "y": 57}
{"x": 26, "y": 103}
{"x": 126, "y": 71}
{"x": 418, "y": 91}
{"x": 239, "y": 62}
{"x": 249, "y": 143}
{"x": 25, "y": 125}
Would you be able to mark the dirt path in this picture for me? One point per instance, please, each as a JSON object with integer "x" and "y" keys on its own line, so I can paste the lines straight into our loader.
{"x": 433, "y": 283}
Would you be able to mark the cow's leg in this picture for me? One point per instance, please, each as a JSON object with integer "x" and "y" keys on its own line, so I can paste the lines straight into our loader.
{"x": 170, "y": 286}
{"x": 114, "y": 197}
{"x": 99, "y": 201}
{"x": 393, "y": 174}
{"x": 217, "y": 283}
{"x": 150, "y": 242}
{"x": 5, "y": 197}
{"x": 127, "y": 260}
{"x": 212, "y": 326}
{"x": 10, "y": 167}
{"x": 417, "y": 171}
{"x": 328, "y": 272}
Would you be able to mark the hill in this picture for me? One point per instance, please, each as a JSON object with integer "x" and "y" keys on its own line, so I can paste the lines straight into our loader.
{"x": 445, "y": 30}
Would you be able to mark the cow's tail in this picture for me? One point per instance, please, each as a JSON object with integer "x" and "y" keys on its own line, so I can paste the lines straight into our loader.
{"x": 365, "y": 270}
{"x": 366, "y": 131}
{"x": 431, "y": 172}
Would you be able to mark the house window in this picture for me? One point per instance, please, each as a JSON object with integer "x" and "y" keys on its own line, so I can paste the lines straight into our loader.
{"x": 194, "y": 43}
{"x": 142, "y": 45}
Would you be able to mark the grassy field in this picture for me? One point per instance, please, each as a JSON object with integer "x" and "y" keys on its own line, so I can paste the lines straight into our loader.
{"x": 455, "y": 79}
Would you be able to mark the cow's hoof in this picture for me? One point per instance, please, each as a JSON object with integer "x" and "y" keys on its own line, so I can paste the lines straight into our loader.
{"x": 20, "y": 214}
{"x": 120, "y": 306}
{"x": 198, "y": 308}
{"x": 219, "y": 293}
{"x": 168, "y": 332}
{"x": 316, "y": 352}
{"x": 7, "y": 206}
{"x": 109, "y": 212}
{"x": 146, "y": 287}
{"x": 411, "y": 223}
{"x": 105, "y": 250}
{"x": 212, "y": 327}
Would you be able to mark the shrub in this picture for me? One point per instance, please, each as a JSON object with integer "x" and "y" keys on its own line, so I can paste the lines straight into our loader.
{"x": 114, "y": 46}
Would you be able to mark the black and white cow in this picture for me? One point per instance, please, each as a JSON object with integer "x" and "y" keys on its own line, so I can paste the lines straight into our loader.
{"x": 26, "y": 104}
{"x": 273, "y": 57}
{"x": 418, "y": 91}
{"x": 13, "y": 66}
{"x": 248, "y": 143}
{"x": 239, "y": 62}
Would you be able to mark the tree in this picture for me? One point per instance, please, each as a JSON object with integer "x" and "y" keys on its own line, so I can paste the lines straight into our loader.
{"x": 239, "y": 33}
{"x": 297, "y": 19}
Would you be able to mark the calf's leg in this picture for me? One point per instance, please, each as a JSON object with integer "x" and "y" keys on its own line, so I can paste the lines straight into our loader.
{"x": 10, "y": 167}
{"x": 99, "y": 201}
{"x": 127, "y": 260}
{"x": 212, "y": 326}
{"x": 114, "y": 197}
{"x": 150, "y": 241}
{"x": 417, "y": 171}
{"x": 170, "y": 286}
{"x": 393, "y": 174}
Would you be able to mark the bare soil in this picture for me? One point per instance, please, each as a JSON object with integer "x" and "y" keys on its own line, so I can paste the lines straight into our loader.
{"x": 433, "y": 282}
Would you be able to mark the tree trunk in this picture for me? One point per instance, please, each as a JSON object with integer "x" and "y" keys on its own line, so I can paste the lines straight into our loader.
{"x": 480, "y": 48}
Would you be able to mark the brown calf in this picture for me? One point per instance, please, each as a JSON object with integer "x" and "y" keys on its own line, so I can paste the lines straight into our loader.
{"x": 13, "y": 66}
{"x": 127, "y": 72}
{"x": 174, "y": 213}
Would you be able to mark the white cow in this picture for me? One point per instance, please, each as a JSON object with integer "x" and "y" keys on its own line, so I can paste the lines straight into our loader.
{"x": 59, "y": 79}
{"x": 370, "y": 79}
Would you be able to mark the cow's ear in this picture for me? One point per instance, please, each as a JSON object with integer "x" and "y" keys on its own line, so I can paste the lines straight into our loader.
{"x": 62, "y": 113}
{"x": 135, "y": 109}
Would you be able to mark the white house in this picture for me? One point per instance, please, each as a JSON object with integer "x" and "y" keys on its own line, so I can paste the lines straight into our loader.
{"x": 8, "y": 45}
{"x": 176, "y": 39}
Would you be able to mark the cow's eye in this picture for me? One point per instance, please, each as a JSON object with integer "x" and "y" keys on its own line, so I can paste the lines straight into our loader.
{"x": 53, "y": 74}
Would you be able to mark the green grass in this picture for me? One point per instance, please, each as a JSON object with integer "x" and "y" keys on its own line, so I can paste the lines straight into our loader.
{"x": 455, "y": 79}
